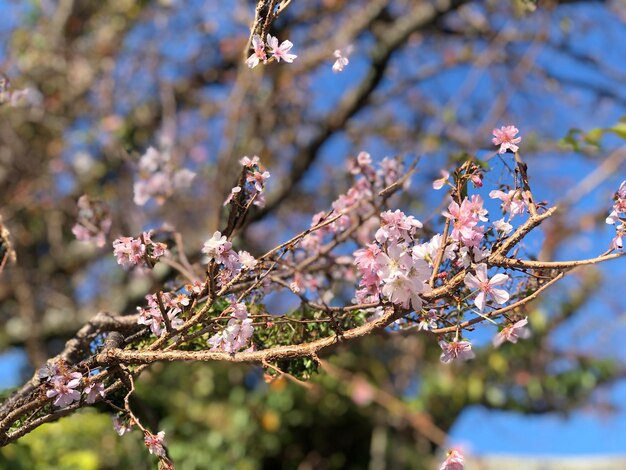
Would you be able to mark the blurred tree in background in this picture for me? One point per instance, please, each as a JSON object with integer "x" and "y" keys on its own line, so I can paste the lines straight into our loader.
{"x": 106, "y": 80}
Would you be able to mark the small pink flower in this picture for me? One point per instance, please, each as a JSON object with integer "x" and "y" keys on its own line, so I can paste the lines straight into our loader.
{"x": 477, "y": 180}
{"x": 454, "y": 461}
{"x": 505, "y": 138}
{"x": 64, "y": 389}
{"x": 233, "y": 192}
{"x": 247, "y": 260}
{"x": 155, "y": 443}
{"x": 439, "y": 183}
{"x": 282, "y": 51}
{"x": 502, "y": 226}
{"x": 259, "y": 52}
{"x": 121, "y": 425}
{"x": 217, "y": 247}
{"x": 514, "y": 201}
{"x": 461, "y": 350}
{"x": 340, "y": 61}
{"x": 249, "y": 162}
{"x": 512, "y": 332}
{"x": 92, "y": 390}
{"x": 486, "y": 286}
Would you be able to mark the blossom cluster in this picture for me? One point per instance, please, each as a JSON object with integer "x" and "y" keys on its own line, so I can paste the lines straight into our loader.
{"x": 465, "y": 219}
{"x": 253, "y": 184}
{"x": 237, "y": 332}
{"x": 159, "y": 178}
{"x": 65, "y": 386}
{"x": 278, "y": 52}
{"x": 617, "y": 217}
{"x": 142, "y": 251}
{"x": 153, "y": 315}
{"x": 93, "y": 222}
{"x": 219, "y": 250}
{"x": 392, "y": 267}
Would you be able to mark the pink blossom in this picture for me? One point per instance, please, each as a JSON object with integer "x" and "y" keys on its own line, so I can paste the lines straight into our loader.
{"x": 121, "y": 425}
{"x": 247, "y": 260}
{"x": 259, "y": 52}
{"x": 340, "y": 61}
{"x": 258, "y": 179}
{"x": 439, "y": 183}
{"x": 502, "y": 226}
{"x": 505, "y": 138}
{"x": 92, "y": 390}
{"x": 477, "y": 180}
{"x": 158, "y": 177}
{"x": 396, "y": 226}
{"x": 469, "y": 255}
{"x": 464, "y": 221}
{"x": 155, "y": 443}
{"x": 64, "y": 386}
{"x": 217, "y": 247}
{"x": 233, "y": 192}
{"x": 282, "y": 51}
{"x": 153, "y": 317}
{"x": 617, "y": 243}
{"x": 129, "y": 251}
{"x": 94, "y": 221}
{"x": 454, "y": 461}
{"x": 404, "y": 277}
{"x": 486, "y": 286}
{"x": 237, "y": 332}
{"x": 249, "y": 162}
{"x": 512, "y": 332}
{"x": 515, "y": 201}
{"x": 461, "y": 350}
{"x": 428, "y": 251}
{"x": 428, "y": 320}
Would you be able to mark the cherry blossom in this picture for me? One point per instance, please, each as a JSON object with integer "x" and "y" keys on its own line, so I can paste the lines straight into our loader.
{"x": 465, "y": 220}
{"x": 153, "y": 316}
{"x": 477, "y": 180}
{"x": 217, "y": 247}
{"x": 259, "y": 52}
{"x": 502, "y": 226}
{"x": 158, "y": 177}
{"x": 515, "y": 201}
{"x": 131, "y": 251}
{"x": 92, "y": 390}
{"x": 440, "y": 182}
{"x": 505, "y": 138}
{"x": 247, "y": 260}
{"x": 512, "y": 332}
{"x": 428, "y": 320}
{"x": 486, "y": 286}
{"x": 396, "y": 226}
{"x": 64, "y": 389}
{"x": 282, "y": 51}
{"x": 93, "y": 222}
{"x": 233, "y": 192}
{"x": 340, "y": 60}
{"x": 237, "y": 332}
{"x": 428, "y": 251}
{"x": 454, "y": 461}
{"x": 461, "y": 350}
{"x": 155, "y": 443}
{"x": 121, "y": 425}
